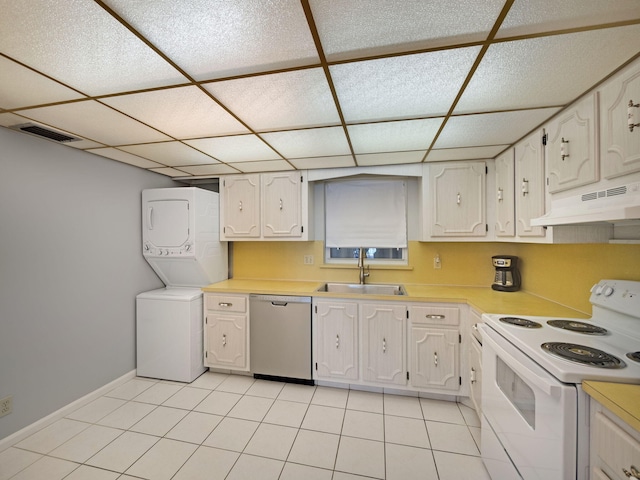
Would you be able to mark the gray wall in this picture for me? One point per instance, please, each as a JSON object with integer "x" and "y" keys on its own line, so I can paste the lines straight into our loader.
{"x": 70, "y": 268}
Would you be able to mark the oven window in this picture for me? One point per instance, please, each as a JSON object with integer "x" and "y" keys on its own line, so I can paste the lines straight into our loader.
{"x": 517, "y": 391}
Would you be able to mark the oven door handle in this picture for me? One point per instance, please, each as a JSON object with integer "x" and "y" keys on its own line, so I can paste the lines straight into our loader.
{"x": 527, "y": 374}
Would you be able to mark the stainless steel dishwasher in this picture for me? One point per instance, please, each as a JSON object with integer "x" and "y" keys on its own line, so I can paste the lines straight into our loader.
{"x": 280, "y": 338}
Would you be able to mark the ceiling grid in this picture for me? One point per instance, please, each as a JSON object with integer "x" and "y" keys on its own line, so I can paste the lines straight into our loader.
{"x": 199, "y": 88}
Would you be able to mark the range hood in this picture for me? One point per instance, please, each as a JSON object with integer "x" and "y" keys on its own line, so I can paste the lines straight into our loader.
{"x": 612, "y": 205}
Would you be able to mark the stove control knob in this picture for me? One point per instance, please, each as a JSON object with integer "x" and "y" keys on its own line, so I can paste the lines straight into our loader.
{"x": 608, "y": 291}
{"x": 598, "y": 289}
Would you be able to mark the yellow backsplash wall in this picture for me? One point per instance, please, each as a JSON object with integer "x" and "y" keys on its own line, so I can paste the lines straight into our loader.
{"x": 561, "y": 273}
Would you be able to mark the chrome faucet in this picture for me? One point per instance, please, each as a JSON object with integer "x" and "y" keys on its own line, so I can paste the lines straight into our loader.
{"x": 363, "y": 274}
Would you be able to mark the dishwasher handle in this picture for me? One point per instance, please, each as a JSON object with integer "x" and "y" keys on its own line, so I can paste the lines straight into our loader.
{"x": 279, "y": 304}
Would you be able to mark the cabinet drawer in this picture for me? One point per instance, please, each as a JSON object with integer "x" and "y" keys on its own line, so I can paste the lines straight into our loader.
{"x": 434, "y": 315}
{"x": 226, "y": 303}
{"x": 615, "y": 448}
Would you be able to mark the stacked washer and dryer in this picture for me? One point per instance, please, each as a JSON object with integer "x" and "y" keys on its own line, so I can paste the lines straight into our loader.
{"x": 181, "y": 242}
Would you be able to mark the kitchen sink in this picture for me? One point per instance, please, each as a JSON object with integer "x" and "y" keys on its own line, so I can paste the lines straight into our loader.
{"x": 364, "y": 289}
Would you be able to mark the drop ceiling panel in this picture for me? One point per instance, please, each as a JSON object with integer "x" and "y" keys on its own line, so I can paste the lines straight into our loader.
{"x": 20, "y": 86}
{"x": 528, "y": 17}
{"x": 124, "y": 157}
{"x": 393, "y": 136}
{"x": 402, "y": 87}
{"x": 391, "y": 158}
{"x": 266, "y": 166}
{"x": 323, "y": 162}
{"x": 169, "y": 172}
{"x": 241, "y": 148}
{"x": 218, "y": 38}
{"x": 547, "y": 71}
{"x": 280, "y": 101}
{"x": 469, "y": 153}
{"x": 172, "y": 154}
{"x": 491, "y": 128}
{"x": 82, "y": 46}
{"x": 373, "y": 27}
{"x": 314, "y": 142}
{"x": 185, "y": 112}
{"x": 95, "y": 121}
{"x": 203, "y": 170}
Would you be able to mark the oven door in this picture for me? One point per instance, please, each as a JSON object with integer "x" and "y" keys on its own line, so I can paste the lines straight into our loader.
{"x": 529, "y": 417}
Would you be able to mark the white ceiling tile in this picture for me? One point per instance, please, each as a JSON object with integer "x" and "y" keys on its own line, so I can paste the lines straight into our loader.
{"x": 124, "y": 157}
{"x": 528, "y": 17}
{"x": 547, "y": 71}
{"x": 21, "y": 87}
{"x": 265, "y": 166}
{"x": 10, "y": 119}
{"x": 323, "y": 162}
{"x": 241, "y": 148}
{"x": 393, "y": 136}
{"x": 169, "y": 172}
{"x": 402, "y": 87}
{"x": 173, "y": 154}
{"x": 185, "y": 112}
{"x": 218, "y": 38}
{"x": 201, "y": 170}
{"x": 95, "y": 121}
{"x": 81, "y": 45}
{"x": 314, "y": 142}
{"x": 279, "y": 101}
{"x": 469, "y": 153}
{"x": 391, "y": 158}
{"x": 372, "y": 27}
{"x": 491, "y": 128}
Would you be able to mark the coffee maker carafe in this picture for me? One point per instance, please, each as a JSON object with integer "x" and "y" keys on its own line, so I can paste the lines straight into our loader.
{"x": 507, "y": 278}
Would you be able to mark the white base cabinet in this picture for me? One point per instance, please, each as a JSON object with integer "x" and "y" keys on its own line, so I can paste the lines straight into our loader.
{"x": 226, "y": 331}
{"x": 383, "y": 343}
{"x": 335, "y": 334}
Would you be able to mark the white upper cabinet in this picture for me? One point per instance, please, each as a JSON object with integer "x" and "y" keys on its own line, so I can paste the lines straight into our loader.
{"x": 571, "y": 150}
{"x": 504, "y": 195}
{"x": 267, "y": 206}
{"x": 529, "y": 184}
{"x": 620, "y": 108}
{"x": 455, "y": 205}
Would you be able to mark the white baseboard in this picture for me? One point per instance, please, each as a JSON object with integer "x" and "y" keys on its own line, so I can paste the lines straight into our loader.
{"x": 63, "y": 412}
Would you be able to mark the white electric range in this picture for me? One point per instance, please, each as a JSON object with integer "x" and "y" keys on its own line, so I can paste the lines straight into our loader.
{"x": 535, "y": 416}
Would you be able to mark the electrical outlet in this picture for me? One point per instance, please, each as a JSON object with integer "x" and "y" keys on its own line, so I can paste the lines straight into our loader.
{"x": 308, "y": 259}
{"x": 6, "y": 406}
{"x": 437, "y": 264}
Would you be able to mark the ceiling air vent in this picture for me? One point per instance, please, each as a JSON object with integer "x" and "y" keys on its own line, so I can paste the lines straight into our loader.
{"x": 34, "y": 129}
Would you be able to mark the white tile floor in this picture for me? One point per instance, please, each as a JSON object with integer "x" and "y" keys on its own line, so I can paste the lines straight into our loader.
{"x": 235, "y": 427}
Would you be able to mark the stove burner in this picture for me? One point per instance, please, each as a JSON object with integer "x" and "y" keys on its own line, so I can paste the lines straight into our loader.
{"x": 582, "y": 354}
{"x": 635, "y": 356}
{"x": 576, "y": 326}
{"x": 520, "y": 322}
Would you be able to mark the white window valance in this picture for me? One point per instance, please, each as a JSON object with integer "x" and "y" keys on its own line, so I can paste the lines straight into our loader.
{"x": 366, "y": 213}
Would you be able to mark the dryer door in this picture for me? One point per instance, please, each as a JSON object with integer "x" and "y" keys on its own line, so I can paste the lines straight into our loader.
{"x": 166, "y": 223}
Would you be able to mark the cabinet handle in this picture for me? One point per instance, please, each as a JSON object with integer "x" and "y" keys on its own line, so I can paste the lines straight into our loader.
{"x": 634, "y": 473}
{"x": 564, "y": 148}
{"x": 435, "y": 358}
{"x": 472, "y": 377}
{"x": 384, "y": 345}
{"x": 337, "y": 341}
{"x": 459, "y": 200}
{"x": 224, "y": 340}
{"x": 240, "y": 205}
{"x": 225, "y": 304}
{"x": 630, "y": 118}
{"x": 500, "y": 194}
{"x": 435, "y": 317}
{"x": 280, "y": 204}
{"x": 525, "y": 186}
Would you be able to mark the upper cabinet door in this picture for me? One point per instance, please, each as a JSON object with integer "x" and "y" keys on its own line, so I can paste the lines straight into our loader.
{"x": 458, "y": 199}
{"x": 505, "y": 201}
{"x": 282, "y": 204}
{"x": 529, "y": 170}
{"x": 240, "y": 201}
{"x": 571, "y": 152}
{"x": 620, "y": 147}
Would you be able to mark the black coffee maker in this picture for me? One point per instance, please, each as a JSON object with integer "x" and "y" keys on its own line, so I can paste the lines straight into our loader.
{"x": 507, "y": 278}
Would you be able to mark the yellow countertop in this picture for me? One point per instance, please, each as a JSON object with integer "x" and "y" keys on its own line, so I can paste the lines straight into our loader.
{"x": 620, "y": 398}
{"x": 483, "y": 299}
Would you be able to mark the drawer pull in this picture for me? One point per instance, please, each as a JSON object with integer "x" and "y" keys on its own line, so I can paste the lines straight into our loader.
{"x": 225, "y": 304}
{"x": 384, "y": 345}
{"x": 435, "y": 358}
{"x": 224, "y": 340}
{"x": 634, "y": 473}
{"x": 337, "y": 341}
{"x": 435, "y": 317}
